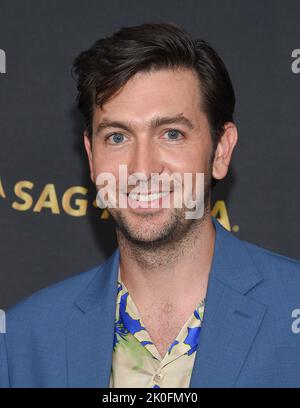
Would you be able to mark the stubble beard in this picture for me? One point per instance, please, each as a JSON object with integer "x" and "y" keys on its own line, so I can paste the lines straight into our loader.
{"x": 163, "y": 241}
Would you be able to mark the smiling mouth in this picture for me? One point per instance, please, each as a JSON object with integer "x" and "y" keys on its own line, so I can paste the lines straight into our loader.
{"x": 148, "y": 197}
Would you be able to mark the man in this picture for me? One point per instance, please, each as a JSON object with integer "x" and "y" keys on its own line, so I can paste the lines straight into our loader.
{"x": 181, "y": 302}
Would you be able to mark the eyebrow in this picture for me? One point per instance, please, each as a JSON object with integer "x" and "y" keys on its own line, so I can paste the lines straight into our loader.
{"x": 154, "y": 123}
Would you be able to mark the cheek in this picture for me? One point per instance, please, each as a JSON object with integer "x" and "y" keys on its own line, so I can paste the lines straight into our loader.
{"x": 101, "y": 161}
{"x": 103, "y": 165}
{"x": 190, "y": 163}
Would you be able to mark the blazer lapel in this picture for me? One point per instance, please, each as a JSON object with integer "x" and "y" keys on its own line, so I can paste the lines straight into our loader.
{"x": 231, "y": 318}
{"x": 90, "y": 332}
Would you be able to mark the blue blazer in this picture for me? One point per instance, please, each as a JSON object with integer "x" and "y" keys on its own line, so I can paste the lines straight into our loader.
{"x": 62, "y": 336}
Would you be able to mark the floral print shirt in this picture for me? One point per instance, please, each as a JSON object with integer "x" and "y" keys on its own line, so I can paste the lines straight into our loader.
{"x": 136, "y": 362}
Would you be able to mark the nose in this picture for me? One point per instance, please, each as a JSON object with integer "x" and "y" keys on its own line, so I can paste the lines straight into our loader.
{"x": 145, "y": 158}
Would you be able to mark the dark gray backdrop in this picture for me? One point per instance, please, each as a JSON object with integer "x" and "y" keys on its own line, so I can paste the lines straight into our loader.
{"x": 41, "y": 140}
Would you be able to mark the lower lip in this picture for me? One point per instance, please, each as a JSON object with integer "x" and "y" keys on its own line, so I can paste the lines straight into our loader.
{"x": 146, "y": 205}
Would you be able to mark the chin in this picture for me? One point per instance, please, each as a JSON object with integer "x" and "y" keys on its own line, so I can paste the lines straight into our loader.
{"x": 145, "y": 229}
{"x": 149, "y": 236}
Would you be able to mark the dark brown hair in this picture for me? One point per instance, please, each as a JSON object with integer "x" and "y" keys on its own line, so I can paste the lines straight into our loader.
{"x": 105, "y": 67}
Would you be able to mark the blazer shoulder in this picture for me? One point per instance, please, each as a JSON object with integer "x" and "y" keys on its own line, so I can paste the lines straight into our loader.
{"x": 53, "y": 300}
{"x": 272, "y": 263}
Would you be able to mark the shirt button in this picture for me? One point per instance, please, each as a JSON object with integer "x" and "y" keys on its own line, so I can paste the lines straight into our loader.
{"x": 158, "y": 377}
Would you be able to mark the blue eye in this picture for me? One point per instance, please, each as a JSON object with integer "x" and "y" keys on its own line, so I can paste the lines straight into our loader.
{"x": 116, "y": 137}
{"x": 173, "y": 133}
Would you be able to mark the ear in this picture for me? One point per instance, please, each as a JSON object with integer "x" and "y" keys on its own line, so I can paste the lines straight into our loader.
{"x": 88, "y": 148}
{"x": 224, "y": 151}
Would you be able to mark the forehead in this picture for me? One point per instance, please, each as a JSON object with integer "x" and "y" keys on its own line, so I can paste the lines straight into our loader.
{"x": 158, "y": 92}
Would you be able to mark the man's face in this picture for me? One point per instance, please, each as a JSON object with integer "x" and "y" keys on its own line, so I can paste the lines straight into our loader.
{"x": 173, "y": 147}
